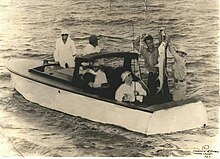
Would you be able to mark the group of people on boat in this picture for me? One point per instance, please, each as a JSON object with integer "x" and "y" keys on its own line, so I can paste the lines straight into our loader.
{"x": 129, "y": 90}
{"x": 65, "y": 51}
{"x": 144, "y": 44}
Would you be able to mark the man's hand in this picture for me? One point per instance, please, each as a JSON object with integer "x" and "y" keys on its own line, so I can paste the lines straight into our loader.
{"x": 143, "y": 35}
{"x": 126, "y": 98}
{"x": 56, "y": 62}
{"x": 136, "y": 93}
{"x": 90, "y": 84}
{"x": 167, "y": 39}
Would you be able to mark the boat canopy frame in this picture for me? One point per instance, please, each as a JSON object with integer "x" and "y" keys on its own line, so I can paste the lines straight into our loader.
{"x": 127, "y": 56}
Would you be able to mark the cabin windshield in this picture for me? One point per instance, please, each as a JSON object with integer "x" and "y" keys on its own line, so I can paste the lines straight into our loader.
{"x": 84, "y": 73}
{"x": 113, "y": 62}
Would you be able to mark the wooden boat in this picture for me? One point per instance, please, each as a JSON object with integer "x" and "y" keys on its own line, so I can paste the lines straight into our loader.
{"x": 62, "y": 89}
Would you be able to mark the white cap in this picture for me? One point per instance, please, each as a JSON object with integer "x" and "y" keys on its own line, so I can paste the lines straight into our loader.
{"x": 88, "y": 70}
{"x": 182, "y": 49}
{"x": 125, "y": 74}
{"x": 162, "y": 29}
{"x": 91, "y": 71}
{"x": 64, "y": 31}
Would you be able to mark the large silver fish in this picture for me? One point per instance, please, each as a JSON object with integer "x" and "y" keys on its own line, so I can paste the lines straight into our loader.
{"x": 161, "y": 65}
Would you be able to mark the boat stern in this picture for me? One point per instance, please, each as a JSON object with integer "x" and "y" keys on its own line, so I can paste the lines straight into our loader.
{"x": 179, "y": 118}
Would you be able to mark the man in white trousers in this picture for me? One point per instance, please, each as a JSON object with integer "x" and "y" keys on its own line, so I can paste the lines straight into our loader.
{"x": 65, "y": 51}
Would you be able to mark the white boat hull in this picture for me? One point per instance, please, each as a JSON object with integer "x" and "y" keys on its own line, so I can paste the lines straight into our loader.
{"x": 79, "y": 105}
{"x": 179, "y": 118}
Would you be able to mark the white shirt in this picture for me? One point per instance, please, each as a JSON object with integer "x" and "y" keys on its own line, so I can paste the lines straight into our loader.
{"x": 91, "y": 49}
{"x": 100, "y": 78}
{"x": 126, "y": 89}
{"x": 64, "y": 52}
{"x": 179, "y": 68}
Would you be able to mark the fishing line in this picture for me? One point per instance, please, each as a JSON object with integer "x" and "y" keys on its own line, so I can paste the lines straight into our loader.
{"x": 15, "y": 147}
{"x": 140, "y": 47}
{"x": 141, "y": 77}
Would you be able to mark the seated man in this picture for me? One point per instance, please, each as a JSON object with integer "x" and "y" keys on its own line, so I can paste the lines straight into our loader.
{"x": 94, "y": 78}
{"x": 100, "y": 77}
{"x": 129, "y": 91}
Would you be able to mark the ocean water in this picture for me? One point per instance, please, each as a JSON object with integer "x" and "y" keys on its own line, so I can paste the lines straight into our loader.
{"x": 29, "y": 28}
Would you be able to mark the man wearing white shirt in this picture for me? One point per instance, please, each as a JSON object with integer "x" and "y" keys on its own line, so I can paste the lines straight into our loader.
{"x": 100, "y": 76}
{"x": 65, "y": 50}
{"x": 179, "y": 73}
{"x": 129, "y": 91}
{"x": 92, "y": 47}
{"x": 95, "y": 80}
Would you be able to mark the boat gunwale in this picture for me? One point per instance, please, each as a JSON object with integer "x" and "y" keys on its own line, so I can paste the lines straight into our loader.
{"x": 149, "y": 109}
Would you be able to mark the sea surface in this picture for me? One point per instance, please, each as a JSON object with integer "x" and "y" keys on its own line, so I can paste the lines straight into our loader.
{"x": 29, "y": 28}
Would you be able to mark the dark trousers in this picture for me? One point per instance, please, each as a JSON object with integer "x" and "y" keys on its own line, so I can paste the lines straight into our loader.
{"x": 153, "y": 83}
{"x": 160, "y": 97}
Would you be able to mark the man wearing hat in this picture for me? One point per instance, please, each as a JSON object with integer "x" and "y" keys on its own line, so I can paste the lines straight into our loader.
{"x": 179, "y": 73}
{"x": 65, "y": 50}
{"x": 100, "y": 76}
{"x": 92, "y": 47}
{"x": 129, "y": 91}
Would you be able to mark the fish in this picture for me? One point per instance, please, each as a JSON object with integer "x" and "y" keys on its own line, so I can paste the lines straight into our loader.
{"x": 161, "y": 65}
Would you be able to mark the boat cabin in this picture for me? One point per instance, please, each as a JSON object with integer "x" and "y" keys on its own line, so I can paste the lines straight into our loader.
{"x": 112, "y": 64}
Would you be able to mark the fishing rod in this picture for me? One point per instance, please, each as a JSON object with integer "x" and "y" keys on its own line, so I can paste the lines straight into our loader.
{"x": 139, "y": 69}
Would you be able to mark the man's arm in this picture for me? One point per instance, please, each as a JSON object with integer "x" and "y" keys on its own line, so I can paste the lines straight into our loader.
{"x": 119, "y": 94}
{"x": 136, "y": 44}
{"x": 140, "y": 89}
{"x": 173, "y": 51}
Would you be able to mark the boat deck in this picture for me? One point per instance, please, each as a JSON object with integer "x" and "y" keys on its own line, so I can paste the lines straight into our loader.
{"x": 65, "y": 75}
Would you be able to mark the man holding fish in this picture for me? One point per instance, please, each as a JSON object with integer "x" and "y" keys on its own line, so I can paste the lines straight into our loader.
{"x": 155, "y": 63}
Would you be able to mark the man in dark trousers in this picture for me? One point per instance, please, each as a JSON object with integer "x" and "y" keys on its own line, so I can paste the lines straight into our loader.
{"x": 145, "y": 45}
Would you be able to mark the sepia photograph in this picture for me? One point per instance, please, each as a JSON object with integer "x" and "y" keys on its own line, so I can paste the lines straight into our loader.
{"x": 109, "y": 78}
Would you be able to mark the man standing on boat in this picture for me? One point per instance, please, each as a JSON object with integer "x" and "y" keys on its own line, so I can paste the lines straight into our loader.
{"x": 179, "y": 73}
{"x": 92, "y": 47}
{"x": 65, "y": 51}
{"x": 145, "y": 45}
